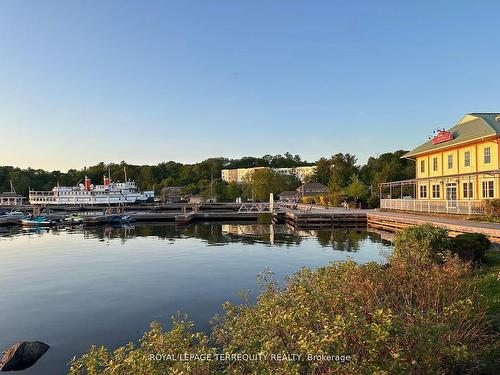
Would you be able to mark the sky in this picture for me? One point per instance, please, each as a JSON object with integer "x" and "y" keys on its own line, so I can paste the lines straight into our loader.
{"x": 151, "y": 81}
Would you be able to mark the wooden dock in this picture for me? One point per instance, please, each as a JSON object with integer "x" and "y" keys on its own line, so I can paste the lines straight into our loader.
{"x": 393, "y": 221}
{"x": 325, "y": 218}
{"x": 387, "y": 221}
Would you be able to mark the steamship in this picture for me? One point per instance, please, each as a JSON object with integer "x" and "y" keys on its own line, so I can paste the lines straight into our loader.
{"x": 89, "y": 194}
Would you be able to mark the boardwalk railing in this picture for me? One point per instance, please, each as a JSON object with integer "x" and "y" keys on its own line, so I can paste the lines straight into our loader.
{"x": 468, "y": 207}
{"x": 254, "y": 207}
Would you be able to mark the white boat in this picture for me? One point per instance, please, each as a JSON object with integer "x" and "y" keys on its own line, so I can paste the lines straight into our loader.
{"x": 11, "y": 217}
{"x": 89, "y": 194}
{"x": 37, "y": 221}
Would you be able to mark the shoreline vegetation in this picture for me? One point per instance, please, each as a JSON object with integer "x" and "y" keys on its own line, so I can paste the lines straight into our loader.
{"x": 340, "y": 172}
{"x": 434, "y": 308}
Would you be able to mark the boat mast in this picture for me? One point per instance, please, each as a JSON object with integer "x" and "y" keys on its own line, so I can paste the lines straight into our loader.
{"x": 125, "y": 172}
{"x": 12, "y": 190}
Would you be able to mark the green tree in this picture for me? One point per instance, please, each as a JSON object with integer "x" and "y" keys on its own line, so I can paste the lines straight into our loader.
{"x": 356, "y": 189}
{"x": 387, "y": 167}
{"x": 323, "y": 171}
{"x": 146, "y": 178}
{"x": 343, "y": 167}
{"x": 262, "y": 182}
{"x": 233, "y": 191}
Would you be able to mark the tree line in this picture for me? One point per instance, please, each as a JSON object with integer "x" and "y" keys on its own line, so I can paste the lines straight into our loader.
{"x": 340, "y": 172}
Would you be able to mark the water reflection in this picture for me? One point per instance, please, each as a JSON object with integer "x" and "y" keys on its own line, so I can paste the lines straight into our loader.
{"x": 216, "y": 234}
{"x": 72, "y": 287}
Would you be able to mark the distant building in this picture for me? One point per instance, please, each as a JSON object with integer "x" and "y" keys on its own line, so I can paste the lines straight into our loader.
{"x": 239, "y": 175}
{"x": 10, "y": 198}
{"x": 288, "y": 196}
{"x": 311, "y": 189}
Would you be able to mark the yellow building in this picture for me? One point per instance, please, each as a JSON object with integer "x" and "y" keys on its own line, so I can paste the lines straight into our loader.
{"x": 456, "y": 170}
{"x": 240, "y": 175}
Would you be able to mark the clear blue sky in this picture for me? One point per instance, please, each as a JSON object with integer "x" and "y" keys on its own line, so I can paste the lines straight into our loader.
{"x": 151, "y": 81}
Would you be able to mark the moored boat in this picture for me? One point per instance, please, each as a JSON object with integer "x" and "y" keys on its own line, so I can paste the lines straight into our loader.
{"x": 109, "y": 193}
{"x": 11, "y": 217}
{"x": 37, "y": 221}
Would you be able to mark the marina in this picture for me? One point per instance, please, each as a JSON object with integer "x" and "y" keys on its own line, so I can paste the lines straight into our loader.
{"x": 296, "y": 216}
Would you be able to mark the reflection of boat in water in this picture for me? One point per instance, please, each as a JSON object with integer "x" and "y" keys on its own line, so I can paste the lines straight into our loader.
{"x": 37, "y": 221}
{"x": 121, "y": 219}
{"x": 36, "y": 230}
{"x": 73, "y": 219}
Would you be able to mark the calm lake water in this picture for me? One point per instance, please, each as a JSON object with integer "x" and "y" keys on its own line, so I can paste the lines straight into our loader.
{"x": 72, "y": 288}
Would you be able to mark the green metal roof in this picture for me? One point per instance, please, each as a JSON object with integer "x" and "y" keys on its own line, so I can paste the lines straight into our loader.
{"x": 471, "y": 127}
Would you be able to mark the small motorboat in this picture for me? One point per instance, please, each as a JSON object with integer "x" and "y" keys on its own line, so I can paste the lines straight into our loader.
{"x": 11, "y": 217}
{"x": 37, "y": 221}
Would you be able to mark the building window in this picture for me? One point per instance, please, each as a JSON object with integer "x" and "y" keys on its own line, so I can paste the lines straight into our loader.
{"x": 488, "y": 189}
{"x": 436, "y": 191}
{"x": 467, "y": 159}
{"x": 487, "y": 155}
{"x": 423, "y": 191}
{"x": 450, "y": 161}
{"x": 467, "y": 190}
{"x": 435, "y": 164}
{"x": 422, "y": 166}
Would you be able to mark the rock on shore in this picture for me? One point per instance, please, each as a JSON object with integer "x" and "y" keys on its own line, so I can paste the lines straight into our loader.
{"x": 22, "y": 355}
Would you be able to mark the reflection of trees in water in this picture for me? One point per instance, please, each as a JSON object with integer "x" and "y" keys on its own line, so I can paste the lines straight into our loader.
{"x": 223, "y": 234}
{"x": 345, "y": 240}
{"x": 125, "y": 232}
{"x": 212, "y": 233}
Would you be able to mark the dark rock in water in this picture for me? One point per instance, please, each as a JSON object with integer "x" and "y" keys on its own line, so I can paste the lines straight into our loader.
{"x": 22, "y": 355}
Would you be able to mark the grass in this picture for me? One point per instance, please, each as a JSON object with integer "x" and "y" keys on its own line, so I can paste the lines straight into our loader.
{"x": 488, "y": 284}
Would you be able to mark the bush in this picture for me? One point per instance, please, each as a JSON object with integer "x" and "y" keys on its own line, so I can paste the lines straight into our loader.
{"x": 422, "y": 242}
{"x": 307, "y": 200}
{"x": 419, "y": 317}
{"x": 324, "y": 200}
{"x": 432, "y": 244}
{"x": 336, "y": 199}
{"x": 470, "y": 246}
{"x": 492, "y": 207}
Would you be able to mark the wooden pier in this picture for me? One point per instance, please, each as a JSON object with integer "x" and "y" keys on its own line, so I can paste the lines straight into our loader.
{"x": 318, "y": 217}
{"x": 393, "y": 221}
{"x": 325, "y": 219}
